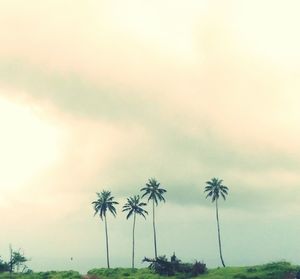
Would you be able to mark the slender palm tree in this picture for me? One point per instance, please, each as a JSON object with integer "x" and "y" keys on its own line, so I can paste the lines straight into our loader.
{"x": 215, "y": 189}
{"x": 104, "y": 203}
{"x": 154, "y": 193}
{"x": 134, "y": 206}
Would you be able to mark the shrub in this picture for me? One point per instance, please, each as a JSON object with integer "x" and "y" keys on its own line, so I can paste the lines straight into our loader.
{"x": 3, "y": 266}
{"x": 252, "y": 269}
{"x": 198, "y": 268}
{"x": 162, "y": 266}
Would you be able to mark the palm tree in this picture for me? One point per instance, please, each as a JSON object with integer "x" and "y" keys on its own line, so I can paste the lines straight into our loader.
{"x": 105, "y": 202}
{"x": 134, "y": 206}
{"x": 154, "y": 193}
{"x": 215, "y": 189}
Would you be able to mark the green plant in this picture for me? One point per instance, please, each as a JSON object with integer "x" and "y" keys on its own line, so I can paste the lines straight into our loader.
{"x": 162, "y": 266}
{"x": 4, "y": 266}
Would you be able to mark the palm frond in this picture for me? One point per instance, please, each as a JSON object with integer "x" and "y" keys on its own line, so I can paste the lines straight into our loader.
{"x": 153, "y": 191}
{"x": 129, "y": 213}
{"x": 214, "y": 188}
{"x": 134, "y": 205}
{"x": 104, "y": 202}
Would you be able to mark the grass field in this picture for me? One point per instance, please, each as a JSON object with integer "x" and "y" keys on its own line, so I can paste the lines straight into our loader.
{"x": 278, "y": 270}
{"x": 43, "y": 275}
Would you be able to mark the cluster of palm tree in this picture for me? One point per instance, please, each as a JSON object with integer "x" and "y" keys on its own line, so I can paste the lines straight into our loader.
{"x": 134, "y": 206}
{"x": 154, "y": 194}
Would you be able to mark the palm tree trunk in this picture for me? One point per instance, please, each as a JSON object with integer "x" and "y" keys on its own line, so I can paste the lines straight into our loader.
{"x": 220, "y": 246}
{"x": 133, "y": 240}
{"x": 107, "y": 253}
{"x": 11, "y": 260}
{"x": 154, "y": 231}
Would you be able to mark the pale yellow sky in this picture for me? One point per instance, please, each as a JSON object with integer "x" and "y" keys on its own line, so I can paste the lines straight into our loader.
{"x": 105, "y": 94}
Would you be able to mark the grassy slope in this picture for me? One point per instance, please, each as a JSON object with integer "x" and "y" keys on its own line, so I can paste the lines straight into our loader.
{"x": 142, "y": 273}
{"x": 44, "y": 275}
{"x": 280, "y": 270}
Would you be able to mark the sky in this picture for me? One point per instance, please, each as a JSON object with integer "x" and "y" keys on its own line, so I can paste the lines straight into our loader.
{"x": 101, "y": 95}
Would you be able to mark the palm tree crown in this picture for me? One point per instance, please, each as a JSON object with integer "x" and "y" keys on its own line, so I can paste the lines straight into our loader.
{"x": 215, "y": 189}
{"x": 134, "y": 206}
{"x": 104, "y": 202}
{"x": 153, "y": 191}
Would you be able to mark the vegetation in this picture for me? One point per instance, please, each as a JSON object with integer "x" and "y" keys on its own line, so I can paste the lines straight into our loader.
{"x": 105, "y": 202}
{"x": 278, "y": 270}
{"x": 16, "y": 262}
{"x": 162, "y": 266}
{"x": 134, "y": 206}
{"x": 4, "y": 266}
{"x": 215, "y": 189}
{"x": 43, "y": 275}
{"x": 155, "y": 194}
{"x": 118, "y": 273}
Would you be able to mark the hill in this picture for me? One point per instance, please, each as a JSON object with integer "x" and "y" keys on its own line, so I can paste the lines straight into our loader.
{"x": 277, "y": 270}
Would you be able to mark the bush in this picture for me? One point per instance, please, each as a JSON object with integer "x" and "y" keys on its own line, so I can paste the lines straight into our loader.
{"x": 4, "y": 266}
{"x": 162, "y": 266}
{"x": 198, "y": 268}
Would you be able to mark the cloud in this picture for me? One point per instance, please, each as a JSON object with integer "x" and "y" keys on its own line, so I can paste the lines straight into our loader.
{"x": 69, "y": 93}
{"x": 180, "y": 92}
{"x": 131, "y": 139}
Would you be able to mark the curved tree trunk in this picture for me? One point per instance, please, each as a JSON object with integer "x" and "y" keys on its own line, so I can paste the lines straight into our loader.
{"x": 219, "y": 237}
{"x": 106, "y": 234}
{"x": 154, "y": 231}
{"x": 133, "y": 240}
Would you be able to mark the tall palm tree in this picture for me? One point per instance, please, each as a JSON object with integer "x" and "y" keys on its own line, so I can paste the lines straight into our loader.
{"x": 104, "y": 203}
{"x": 134, "y": 206}
{"x": 215, "y": 189}
{"x": 154, "y": 193}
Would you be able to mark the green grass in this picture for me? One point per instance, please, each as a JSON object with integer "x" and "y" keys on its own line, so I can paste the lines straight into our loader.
{"x": 118, "y": 273}
{"x": 277, "y": 270}
{"x": 43, "y": 275}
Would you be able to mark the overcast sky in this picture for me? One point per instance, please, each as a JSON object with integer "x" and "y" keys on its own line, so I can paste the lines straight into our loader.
{"x": 105, "y": 94}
